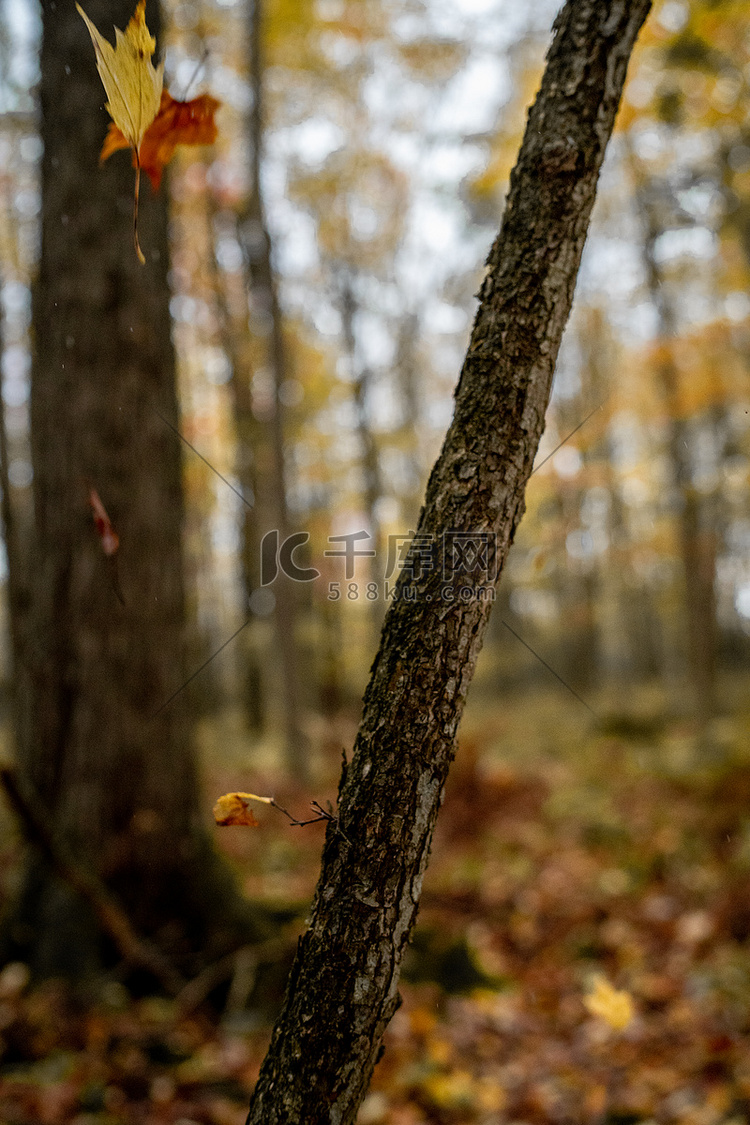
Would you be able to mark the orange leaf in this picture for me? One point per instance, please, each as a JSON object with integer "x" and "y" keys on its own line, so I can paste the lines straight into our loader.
{"x": 232, "y": 809}
{"x": 176, "y": 123}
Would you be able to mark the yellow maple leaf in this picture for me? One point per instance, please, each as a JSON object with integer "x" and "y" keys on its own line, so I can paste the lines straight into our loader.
{"x": 604, "y": 1001}
{"x": 132, "y": 83}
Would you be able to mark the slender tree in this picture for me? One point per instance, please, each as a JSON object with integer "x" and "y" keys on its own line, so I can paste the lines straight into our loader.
{"x": 696, "y": 534}
{"x": 343, "y": 988}
{"x": 235, "y": 337}
{"x": 17, "y": 591}
{"x": 264, "y": 297}
{"x": 361, "y": 375}
{"x": 102, "y": 754}
{"x": 407, "y": 376}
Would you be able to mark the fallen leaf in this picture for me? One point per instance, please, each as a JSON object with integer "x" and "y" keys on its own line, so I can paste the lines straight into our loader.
{"x": 604, "y": 1001}
{"x": 232, "y": 810}
{"x": 176, "y": 123}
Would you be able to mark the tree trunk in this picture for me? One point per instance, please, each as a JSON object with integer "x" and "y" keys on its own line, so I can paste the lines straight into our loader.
{"x": 103, "y": 651}
{"x": 696, "y": 542}
{"x": 17, "y": 585}
{"x": 236, "y": 339}
{"x": 343, "y": 988}
{"x": 372, "y": 485}
{"x": 265, "y": 301}
{"x": 407, "y": 375}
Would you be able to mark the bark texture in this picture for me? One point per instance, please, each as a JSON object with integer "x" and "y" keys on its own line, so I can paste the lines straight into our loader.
{"x": 115, "y": 774}
{"x": 343, "y": 988}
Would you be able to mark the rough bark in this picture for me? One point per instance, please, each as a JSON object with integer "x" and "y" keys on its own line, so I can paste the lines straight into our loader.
{"x": 117, "y": 773}
{"x": 343, "y": 988}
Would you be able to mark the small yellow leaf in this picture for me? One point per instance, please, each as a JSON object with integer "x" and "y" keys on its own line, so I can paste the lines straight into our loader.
{"x": 604, "y": 1001}
{"x": 232, "y": 809}
{"x": 132, "y": 83}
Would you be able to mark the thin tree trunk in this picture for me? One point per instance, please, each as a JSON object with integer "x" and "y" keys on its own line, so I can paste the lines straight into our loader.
{"x": 235, "y": 339}
{"x": 17, "y": 585}
{"x": 372, "y": 488}
{"x": 407, "y": 374}
{"x": 696, "y": 543}
{"x": 343, "y": 988}
{"x": 265, "y": 299}
{"x": 629, "y": 630}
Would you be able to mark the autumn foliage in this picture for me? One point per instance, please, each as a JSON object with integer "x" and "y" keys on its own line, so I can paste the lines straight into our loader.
{"x": 145, "y": 117}
{"x": 581, "y": 956}
{"x": 176, "y": 123}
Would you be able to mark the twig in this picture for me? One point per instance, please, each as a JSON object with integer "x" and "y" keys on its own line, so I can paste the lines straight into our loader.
{"x": 321, "y": 814}
{"x": 245, "y": 974}
{"x": 196, "y": 990}
{"x": 201, "y": 62}
{"x": 136, "y": 196}
{"x": 137, "y": 951}
{"x": 240, "y": 961}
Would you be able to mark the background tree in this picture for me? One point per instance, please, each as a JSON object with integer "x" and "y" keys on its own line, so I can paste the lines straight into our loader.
{"x": 100, "y": 745}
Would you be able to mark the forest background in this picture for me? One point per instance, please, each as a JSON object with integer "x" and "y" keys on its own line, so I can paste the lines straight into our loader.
{"x": 597, "y": 821}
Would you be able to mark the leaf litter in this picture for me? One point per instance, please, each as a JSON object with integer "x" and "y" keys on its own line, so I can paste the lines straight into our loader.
{"x": 605, "y": 920}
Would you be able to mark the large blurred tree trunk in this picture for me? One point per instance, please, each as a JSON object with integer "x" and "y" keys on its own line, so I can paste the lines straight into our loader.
{"x": 343, "y": 988}
{"x": 116, "y": 771}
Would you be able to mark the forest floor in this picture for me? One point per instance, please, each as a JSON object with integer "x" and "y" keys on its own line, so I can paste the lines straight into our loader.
{"x": 567, "y": 851}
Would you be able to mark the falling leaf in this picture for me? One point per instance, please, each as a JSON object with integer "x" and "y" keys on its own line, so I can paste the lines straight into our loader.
{"x": 604, "y": 1001}
{"x": 133, "y": 86}
{"x": 176, "y": 123}
{"x": 232, "y": 809}
{"x": 108, "y": 536}
{"x": 132, "y": 83}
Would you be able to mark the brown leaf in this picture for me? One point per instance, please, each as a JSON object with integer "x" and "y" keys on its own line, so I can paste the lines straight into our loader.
{"x": 232, "y": 810}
